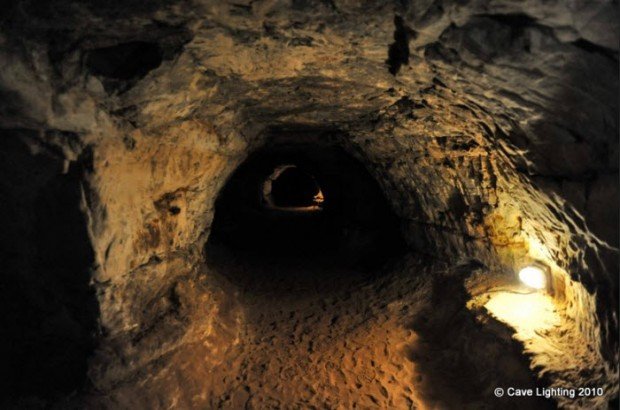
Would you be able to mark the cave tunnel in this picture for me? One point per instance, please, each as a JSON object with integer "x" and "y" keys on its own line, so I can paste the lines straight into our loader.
{"x": 309, "y": 205}
{"x": 304, "y": 204}
{"x": 291, "y": 188}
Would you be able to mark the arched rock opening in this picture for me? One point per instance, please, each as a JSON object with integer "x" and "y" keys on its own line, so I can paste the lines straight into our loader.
{"x": 353, "y": 226}
{"x": 291, "y": 188}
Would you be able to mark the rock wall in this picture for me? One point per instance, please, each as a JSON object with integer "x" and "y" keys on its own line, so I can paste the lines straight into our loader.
{"x": 490, "y": 126}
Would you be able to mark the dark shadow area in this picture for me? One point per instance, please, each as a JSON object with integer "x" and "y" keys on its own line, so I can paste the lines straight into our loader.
{"x": 49, "y": 310}
{"x": 124, "y": 61}
{"x": 292, "y": 187}
{"x": 121, "y": 66}
{"x": 354, "y": 231}
{"x": 398, "y": 51}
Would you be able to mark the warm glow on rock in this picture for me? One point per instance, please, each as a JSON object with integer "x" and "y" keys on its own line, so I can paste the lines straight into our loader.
{"x": 526, "y": 313}
{"x": 533, "y": 277}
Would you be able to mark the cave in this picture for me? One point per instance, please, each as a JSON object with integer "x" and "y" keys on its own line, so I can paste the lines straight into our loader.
{"x": 306, "y": 202}
{"x": 293, "y": 189}
{"x": 309, "y": 204}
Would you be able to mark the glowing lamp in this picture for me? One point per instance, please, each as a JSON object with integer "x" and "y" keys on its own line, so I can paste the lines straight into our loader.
{"x": 533, "y": 276}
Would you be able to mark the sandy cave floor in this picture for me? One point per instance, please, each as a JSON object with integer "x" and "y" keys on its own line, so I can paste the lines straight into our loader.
{"x": 306, "y": 335}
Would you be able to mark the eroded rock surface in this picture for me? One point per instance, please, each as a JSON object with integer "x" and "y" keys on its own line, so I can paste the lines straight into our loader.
{"x": 490, "y": 127}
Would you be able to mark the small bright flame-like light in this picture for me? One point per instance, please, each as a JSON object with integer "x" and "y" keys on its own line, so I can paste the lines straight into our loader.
{"x": 534, "y": 277}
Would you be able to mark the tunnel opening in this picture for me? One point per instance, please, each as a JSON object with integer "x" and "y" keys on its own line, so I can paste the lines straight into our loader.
{"x": 295, "y": 207}
{"x": 289, "y": 188}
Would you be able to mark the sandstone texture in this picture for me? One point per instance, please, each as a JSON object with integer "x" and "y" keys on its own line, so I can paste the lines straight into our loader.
{"x": 490, "y": 128}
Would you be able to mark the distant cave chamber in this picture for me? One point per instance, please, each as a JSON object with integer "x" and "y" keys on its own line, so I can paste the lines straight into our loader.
{"x": 290, "y": 188}
{"x": 305, "y": 203}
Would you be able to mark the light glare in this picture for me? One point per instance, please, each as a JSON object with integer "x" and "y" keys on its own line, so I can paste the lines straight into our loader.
{"x": 528, "y": 314}
{"x": 533, "y": 277}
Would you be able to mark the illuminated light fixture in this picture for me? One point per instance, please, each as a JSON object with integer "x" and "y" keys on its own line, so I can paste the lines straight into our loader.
{"x": 534, "y": 276}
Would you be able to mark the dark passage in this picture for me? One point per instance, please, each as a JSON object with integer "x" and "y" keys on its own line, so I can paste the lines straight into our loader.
{"x": 49, "y": 311}
{"x": 291, "y": 187}
{"x": 124, "y": 61}
{"x": 120, "y": 66}
{"x": 347, "y": 222}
